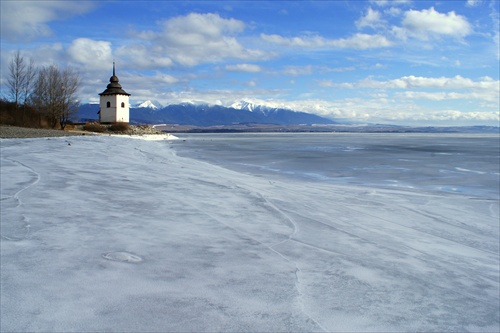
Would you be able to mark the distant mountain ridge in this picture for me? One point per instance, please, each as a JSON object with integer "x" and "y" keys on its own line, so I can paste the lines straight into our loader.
{"x": 149, "y": 104}
{"x": 150, "y": 112}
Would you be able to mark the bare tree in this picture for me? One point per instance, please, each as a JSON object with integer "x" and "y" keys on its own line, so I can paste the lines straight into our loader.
{"x": 70, "y": 104}
{"x": 43, "y": 97}
{"x": 20, "y": 81}
{"x": 30, "y": 75}
{"x": 17, "y": 77}
{"x": 54, "y": 94}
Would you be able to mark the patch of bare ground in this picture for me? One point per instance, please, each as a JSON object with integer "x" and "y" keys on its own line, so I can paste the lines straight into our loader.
{"x": 15, "y": 132}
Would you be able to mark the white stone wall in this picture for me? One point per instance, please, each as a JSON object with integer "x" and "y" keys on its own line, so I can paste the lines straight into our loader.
{"x": 114, "y": 113}
{"x": 122, "y": 113}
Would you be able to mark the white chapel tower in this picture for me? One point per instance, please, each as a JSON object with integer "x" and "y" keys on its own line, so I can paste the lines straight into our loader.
{"x": 114, "y": 102}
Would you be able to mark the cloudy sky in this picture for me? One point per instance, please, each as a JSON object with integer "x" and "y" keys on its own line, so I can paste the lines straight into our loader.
{"x": 401, "y": 62}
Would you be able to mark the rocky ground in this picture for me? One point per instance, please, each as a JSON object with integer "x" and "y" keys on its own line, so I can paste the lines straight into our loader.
{"x": 11, "y": 132}
{"x": 141, "y": 130}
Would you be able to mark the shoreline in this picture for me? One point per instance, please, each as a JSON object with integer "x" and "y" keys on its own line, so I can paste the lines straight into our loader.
{"x": 15, "y": 132}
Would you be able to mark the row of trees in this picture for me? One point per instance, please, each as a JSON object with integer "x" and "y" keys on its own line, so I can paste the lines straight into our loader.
{"x": 48, "y": 89}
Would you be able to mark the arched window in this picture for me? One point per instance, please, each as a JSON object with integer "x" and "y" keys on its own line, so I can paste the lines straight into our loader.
{"x": 108, "y": 104}
{"x": 123, "y": 105}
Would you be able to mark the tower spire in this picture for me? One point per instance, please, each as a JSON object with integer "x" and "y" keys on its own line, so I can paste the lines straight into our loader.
{"x": 114, "y": 69}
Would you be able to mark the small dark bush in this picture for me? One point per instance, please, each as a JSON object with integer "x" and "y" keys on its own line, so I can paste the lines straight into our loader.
{"x": 119, "y": 127}
{"x": 94, "y": 127}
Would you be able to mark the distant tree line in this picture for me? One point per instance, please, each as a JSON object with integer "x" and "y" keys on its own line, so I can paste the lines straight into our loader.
{"x": 46, "y": 92}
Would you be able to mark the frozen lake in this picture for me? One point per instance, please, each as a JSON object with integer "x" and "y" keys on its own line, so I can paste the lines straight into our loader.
{"x": 455, "y": 163}
{"x": 252, "y": 233}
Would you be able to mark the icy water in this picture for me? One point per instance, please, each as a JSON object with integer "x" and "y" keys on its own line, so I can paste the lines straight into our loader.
{"x": 466, "y": 164}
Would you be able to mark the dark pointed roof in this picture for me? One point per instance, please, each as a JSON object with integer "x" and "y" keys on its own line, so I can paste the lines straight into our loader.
{"x": 114, "y": 88}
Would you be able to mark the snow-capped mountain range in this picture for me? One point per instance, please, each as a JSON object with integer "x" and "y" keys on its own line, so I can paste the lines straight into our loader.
{"x": 155, "y": 105}
{"x": 202, "y": 114}
{"x": 243, "y": 105}
{"x": 238, "y": 105}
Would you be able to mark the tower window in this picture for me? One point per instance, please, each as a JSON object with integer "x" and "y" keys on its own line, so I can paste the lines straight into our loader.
{"x": 123, "y": 105}
{"x": 108, "y": 104}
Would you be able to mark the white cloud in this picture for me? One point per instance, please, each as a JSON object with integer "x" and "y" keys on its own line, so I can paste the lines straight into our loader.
{"x": 310, "y": 69}
{"x": 144, "y": 87}
{"x": 473, "y": 3}
{"x": 157, "y": 80}
{"x": 139, "y": 56}
{"x": 416, "y": 89}
{"x": 193, "y": 39}
{"x": 249, "y": 68}
{"x": 455, "y": 115}
{"x": 91, "y": 53}
{"x": 298, "y": 70}
{"x": 496, "y": 30}
{"x": 47, "y": 54}
{"x": 372, "y": 19}
{"x": 393, "y": 11}
{"x": 429, "y": 23}
{"x": 358, "y": 41}
{"x": 441, "y": 96}
{"x": 363, "y": 41}
{"x": 383, "y": 3}
{"x": 199, "y": 38}
{"x": 29, "y": 19}
{"x": 411, "y": 81}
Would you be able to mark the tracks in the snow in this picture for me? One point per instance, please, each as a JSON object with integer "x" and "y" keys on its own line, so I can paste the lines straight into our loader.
{"x": 17, "y": 229}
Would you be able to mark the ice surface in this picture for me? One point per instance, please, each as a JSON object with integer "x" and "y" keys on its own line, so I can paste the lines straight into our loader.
{"x": 454, "y": 163}
{"x": 118, "y": 234}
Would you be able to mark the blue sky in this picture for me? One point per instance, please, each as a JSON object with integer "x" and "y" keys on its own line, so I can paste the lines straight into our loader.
{"x": 399, "y": 62}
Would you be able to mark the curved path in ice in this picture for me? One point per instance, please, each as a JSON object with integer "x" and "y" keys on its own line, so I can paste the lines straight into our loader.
{"x": 15, "y": 178}
{"x": 127, "y": 236}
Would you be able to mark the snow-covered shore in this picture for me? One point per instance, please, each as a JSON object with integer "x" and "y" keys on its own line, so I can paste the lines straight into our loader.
{"x": 115, "y": 234}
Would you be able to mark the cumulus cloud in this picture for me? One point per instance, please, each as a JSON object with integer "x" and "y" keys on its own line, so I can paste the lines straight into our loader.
{"x": 140, "y": 56}
{"x": 411, "y": 81}
{"x": 28, "y": 20}
{"x": 358, "y": 41}
{"x": 413, "y": 89}
{"x": 149, "y": 82}
{"x": 196, "y": 38}
{"x": 92, "y": 54}
{"x": 456, "y": 115}
{"x": 429, "y": 23}
{"x": 248, "y": 68}
{"x": 372, "y": 19}
{"x": 442, "y": 95}
{"x": 204, "y": 26}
